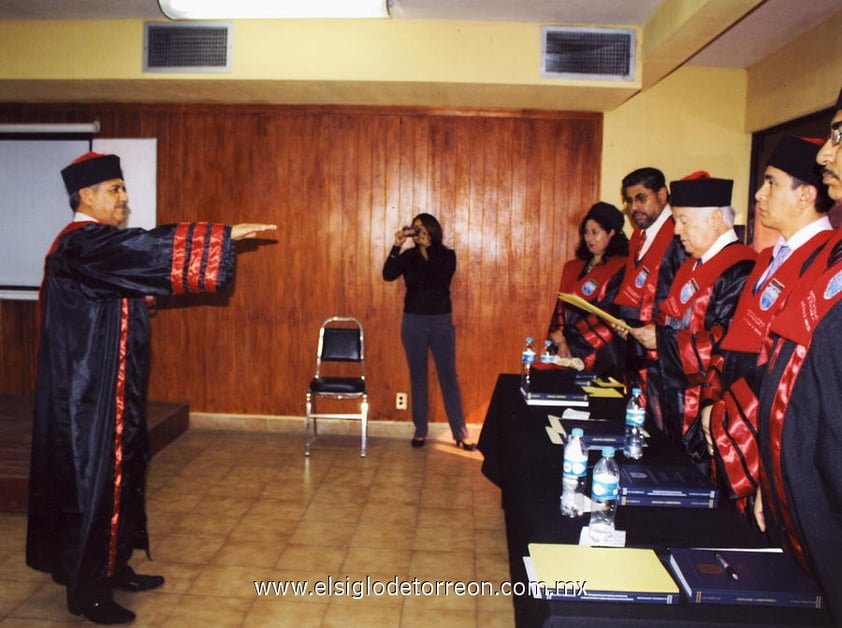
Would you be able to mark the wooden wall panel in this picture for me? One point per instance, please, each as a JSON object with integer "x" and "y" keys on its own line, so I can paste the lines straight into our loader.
{"x": 18, "y": 339}
{"x": 508, "y": 187}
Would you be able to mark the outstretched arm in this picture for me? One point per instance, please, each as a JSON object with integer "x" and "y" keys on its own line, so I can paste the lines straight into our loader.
{"x": 249, "y": 230}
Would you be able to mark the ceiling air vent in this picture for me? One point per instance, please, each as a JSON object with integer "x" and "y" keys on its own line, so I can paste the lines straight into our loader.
{"x": 194, "y": 47}
{"x": 588, "y": 53}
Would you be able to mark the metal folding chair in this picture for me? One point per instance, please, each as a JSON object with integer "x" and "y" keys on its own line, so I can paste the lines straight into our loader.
{"x": 340, "y": 375}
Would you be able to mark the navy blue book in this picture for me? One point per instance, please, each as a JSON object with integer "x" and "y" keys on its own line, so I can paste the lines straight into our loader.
{"x": 551, "y": 386}
{"x": 599, "y": 433}
{"x": 676, "y": 482}
{"x": 675, "y": 501}
{"x": 533, "y": 398}
{"x": 743, "y": 577}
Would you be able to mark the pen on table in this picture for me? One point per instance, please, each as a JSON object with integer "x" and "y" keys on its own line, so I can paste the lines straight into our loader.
{"x": 726, "y": 566}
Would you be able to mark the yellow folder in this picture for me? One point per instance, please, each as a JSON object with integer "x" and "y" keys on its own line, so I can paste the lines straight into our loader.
{"x": 577, "y": 301}
{"x": 604, "y": 569}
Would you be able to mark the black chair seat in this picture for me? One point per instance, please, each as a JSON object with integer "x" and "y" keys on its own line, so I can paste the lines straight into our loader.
{"x": 338, "y": 385}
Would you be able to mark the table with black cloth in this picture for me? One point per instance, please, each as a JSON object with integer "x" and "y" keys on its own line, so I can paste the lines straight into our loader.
{"x": 521, "y": 460}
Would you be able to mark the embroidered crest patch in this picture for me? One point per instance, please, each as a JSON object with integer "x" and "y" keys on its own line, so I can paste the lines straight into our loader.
{"x": 641, "y": 277}
{"x": 688, "y": 290}
{"x": 770, "y": 294}
{"x": 833, "y": 287}
{"x": 589, "y": 287}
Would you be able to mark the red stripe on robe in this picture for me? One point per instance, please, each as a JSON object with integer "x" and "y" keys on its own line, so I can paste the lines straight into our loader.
{"x": 119, "y": 424}
{"x": 179, "y": 254}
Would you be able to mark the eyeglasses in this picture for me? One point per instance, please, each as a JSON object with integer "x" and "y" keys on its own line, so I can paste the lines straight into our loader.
{"x": 639, "y": 198}
{"x": 835, "y": 135}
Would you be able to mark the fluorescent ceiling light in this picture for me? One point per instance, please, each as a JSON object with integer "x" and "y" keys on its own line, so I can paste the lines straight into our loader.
{"x": 269, "y": 9}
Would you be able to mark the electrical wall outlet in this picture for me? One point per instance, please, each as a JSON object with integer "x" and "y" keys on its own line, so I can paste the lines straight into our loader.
{"x": 400, "y": 401}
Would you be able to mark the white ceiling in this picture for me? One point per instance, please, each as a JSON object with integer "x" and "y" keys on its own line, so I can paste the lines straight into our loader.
{"x": 768, "y": 28}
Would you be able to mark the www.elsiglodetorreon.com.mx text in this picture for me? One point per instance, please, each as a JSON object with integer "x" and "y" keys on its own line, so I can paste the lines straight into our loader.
{"x": 371, "y": 587}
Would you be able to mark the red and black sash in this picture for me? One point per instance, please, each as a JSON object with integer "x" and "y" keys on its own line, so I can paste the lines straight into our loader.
{"x": 776, "y": 428}
{"x": 691, "y": 292}
{"x": 755, "y": 311}
{"x": 733, "y": 427}
{"x": 693, "y": 284}
{"x": 797, "y": 322}
{"x": 641, "y": 279}
{"x": 807, "y": 306}
{"x": 734, "y": 419}
{"x": 592, "y": 288}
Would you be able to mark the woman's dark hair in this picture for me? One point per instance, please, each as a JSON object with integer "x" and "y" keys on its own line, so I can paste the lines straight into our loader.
{"x": 433, "y": 228}
{"x": 618, "y": 245}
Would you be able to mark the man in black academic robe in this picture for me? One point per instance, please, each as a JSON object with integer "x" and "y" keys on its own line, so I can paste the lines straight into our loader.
{"x": 792, "y": 201}
{"x": 655, "y": 255}
{"x": 89, "y": 446}
{"x": 800, "y": 415}
{"x": 694, "y": 317}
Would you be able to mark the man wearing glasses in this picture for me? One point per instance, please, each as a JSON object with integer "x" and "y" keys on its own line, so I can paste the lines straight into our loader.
{"x": 800, "y": 415}
{"x": 655, "y": 254}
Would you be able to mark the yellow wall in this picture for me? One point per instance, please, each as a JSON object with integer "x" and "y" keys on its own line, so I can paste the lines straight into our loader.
{"x": 364, "y": 62}
{"x": 695, "y": 118}
{"x": 350, "y": 50}
{"x": 801, "y": 78}
{"x": 692, "y": 120}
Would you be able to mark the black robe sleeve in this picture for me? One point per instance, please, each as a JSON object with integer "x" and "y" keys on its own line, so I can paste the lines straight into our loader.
{"x": 811, "y": 456}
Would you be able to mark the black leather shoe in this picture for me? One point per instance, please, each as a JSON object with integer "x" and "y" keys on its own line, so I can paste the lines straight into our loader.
{"x": 465, "y": 445}
{"x": 135, "y": 582}
{"x": 107, "y": 613}
{"x": 418, "y": 441}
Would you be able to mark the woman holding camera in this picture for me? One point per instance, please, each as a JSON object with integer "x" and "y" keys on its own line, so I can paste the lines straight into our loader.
{"x": 427, "y": 325}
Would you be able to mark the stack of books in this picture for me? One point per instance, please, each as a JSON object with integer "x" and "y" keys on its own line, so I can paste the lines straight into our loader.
{"x": 554, "y": 386}
{"x": 665, "y": 485}
{"x": 706, "y": 576}
{"x": 598, "y": 432}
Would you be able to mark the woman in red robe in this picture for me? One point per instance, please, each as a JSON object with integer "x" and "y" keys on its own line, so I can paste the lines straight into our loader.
{"x": 595, "y": 275}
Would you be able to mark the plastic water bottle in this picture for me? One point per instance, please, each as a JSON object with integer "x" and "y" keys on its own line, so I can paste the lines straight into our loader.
{"x": 574, "y": 471}
{"x": 546, "y": 355}
{"x": 635, "y": 417}
{"x": 527, "y": 360}
{"x": 605, "y": 490}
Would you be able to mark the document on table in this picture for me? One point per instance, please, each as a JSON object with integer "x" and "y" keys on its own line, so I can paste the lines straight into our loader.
{"x": 577, "y": 301}
{"x": 605, "y": 393}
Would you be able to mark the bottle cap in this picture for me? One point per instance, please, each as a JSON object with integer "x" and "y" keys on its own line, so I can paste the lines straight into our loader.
{"x": 577, "y": 432}
{"x": 607, "y": 452}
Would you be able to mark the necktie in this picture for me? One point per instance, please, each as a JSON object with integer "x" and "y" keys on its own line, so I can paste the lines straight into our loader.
{"x": 777, "y": 260}
{"x": 642, "y": 245}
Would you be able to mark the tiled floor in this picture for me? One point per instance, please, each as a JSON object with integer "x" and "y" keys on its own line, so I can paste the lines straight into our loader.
{"x": 229, "y": 508}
